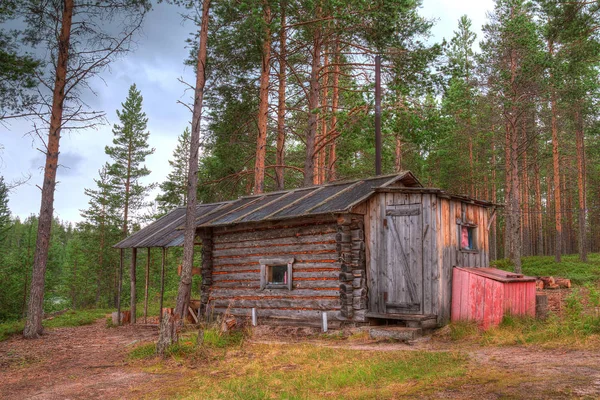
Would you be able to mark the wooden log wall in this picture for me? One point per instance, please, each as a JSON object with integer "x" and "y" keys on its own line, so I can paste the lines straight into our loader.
{"x": 353, "y": 283}
{"x": 206, "y": 269}
{"x": 316, "y": 244}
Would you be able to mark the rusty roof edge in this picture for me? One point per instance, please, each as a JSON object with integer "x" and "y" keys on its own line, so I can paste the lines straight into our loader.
{"x": 208, "y": 223}
{"x": 310, "y": 192}
{"x": 137, "y": 233}
{"x": 277, "y": 198}
{"x": 334, "y": 196}
{"x": 175, "y": 222}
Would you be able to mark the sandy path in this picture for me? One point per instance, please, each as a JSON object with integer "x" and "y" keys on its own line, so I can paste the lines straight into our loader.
{"x": 75, "y": 363}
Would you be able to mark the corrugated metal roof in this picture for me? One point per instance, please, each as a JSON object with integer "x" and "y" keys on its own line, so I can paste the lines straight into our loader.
{"x": 163, "y": 232}
{"x": 333, "y": 198}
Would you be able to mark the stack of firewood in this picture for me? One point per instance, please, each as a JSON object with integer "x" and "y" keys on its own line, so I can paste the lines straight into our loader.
{"x": 550, "y": 282}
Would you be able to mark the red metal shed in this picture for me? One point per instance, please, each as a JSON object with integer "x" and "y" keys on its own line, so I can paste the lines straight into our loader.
{"x": 485, "y": 294}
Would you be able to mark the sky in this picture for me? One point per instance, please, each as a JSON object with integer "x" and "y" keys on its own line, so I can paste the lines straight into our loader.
{"x": 155, "y": 67}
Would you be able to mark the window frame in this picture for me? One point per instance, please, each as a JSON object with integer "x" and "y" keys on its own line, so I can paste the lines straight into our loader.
{"x": 473, "y": 228}
{"x": 265, "y": 264}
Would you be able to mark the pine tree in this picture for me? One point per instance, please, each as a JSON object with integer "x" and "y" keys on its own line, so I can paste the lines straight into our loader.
{"x": 174, "y": 189}
{"x": 128, "y": 154}
{"x": 100, "y": 230}
{"x": 513, "y": 61}
{"x": 129, "y": 151}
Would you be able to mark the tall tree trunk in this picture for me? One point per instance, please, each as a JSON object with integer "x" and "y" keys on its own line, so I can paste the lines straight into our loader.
{"x": 555, "y": 166}
{"x": 313, "y": 104}
{"x": 581, "y": 187}
{"x": 185, "y": 283}
{"x": 324, "y": 126}
{"x": 525, "y": 201}
{"x": 33, "y": 325}
{"x": 334, "y": 106}
{"x": 281, "y": 107}
{"x": 539, "y": 250}
{"x": 493, "y": 233}
{"x": 507, "y": 193}
{"x": 263, "y": 107}
{"x": 514, "y": 201}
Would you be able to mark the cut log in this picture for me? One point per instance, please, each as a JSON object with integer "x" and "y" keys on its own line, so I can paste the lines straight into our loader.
{"x": 539, "y": 284}
{"x": 547, "y": 280}
{"x": 563, "y": 282}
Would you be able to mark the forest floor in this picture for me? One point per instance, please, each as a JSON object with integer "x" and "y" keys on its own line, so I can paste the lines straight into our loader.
{"x": 94, "y": 361}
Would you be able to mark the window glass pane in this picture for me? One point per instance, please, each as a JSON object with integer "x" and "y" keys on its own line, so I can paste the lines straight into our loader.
{"x": 471, "y": 230}
{"x": 464, "y": 237}
{"x": 277, "y": 274}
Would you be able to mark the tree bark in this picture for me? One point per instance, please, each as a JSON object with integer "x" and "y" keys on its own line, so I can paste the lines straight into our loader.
{"x": 581, "y": 186}
{"x": 263, "y": 107}
{"x": 185, "y": 282}
{"x": 332, "y": 176}
{"x": 324, "y": 127}
{"x": 313, "y": 104}
{"x": 555, "y": 167}
{"x": 133, "y": 281}
{"x": 168, "y": 332}
{"x": 33, "y": 325}
{"x": 281, "y": 107}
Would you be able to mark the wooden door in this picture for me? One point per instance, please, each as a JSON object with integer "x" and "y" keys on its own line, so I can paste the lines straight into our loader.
{"x": 402, "y": 275}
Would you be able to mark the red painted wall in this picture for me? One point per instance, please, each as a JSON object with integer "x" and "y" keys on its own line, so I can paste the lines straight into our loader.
{"x": 486, "y": 294}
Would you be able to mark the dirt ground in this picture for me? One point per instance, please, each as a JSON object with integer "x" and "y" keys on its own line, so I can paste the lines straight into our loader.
{"x": 75, "y": 363}
{"x": 91, "y": 362}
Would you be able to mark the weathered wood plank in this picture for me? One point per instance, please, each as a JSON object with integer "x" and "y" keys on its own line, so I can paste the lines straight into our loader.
{"x": 278, "y": 241}
{"x": 304, "y": 292}
{"x": 281, "y": 304}
{"x": 316, "y": 248}
{"x": 222, "y": 235}
{"x": 299, "y": 258}
{"x": 304, "y": 266}
{"x": 298, "y": 314}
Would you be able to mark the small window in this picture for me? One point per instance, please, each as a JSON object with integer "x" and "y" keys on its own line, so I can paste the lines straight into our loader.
{"x": 467, "y": 237}
{"x": 276, "y": 273}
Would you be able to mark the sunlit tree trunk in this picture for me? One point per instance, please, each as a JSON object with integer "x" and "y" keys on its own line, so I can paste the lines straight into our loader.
{"x": 263, "y": 106}
{"x": 33, "y": 324}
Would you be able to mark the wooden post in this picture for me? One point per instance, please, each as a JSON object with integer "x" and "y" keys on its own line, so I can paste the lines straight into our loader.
{"x": 133, "y": 280}
{"x": 162, "y": 281}
{"x": 120, "y": 288}
{"x": 146, "y": 288}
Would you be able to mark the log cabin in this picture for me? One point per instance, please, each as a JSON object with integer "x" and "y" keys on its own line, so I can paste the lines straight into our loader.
{"x": 381, "y": 248}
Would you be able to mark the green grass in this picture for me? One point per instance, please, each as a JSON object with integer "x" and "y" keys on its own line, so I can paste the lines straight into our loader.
{"x": 69, "y": 318}
{"x": 7, "y": 329}
{"x": 305, "y": 371}
{"x": 580, "y": 273}
{"x": 576, "y": 328}
{"x": 188, "y": 344}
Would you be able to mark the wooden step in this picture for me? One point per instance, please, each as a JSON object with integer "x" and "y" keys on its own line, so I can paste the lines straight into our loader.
{"x": 424, "y": 321}
{"x": 403, "y": 317}
{"x": 395, "y": 332}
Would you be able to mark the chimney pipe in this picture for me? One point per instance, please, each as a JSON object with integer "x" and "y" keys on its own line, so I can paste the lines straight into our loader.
{"x": 377, "y": 115}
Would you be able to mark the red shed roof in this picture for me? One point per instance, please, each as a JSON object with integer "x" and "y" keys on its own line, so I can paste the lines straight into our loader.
{"x": 498, "y": 274}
